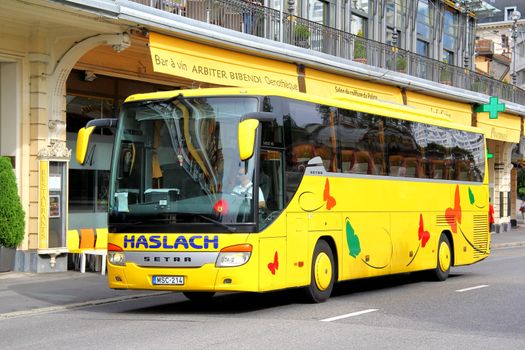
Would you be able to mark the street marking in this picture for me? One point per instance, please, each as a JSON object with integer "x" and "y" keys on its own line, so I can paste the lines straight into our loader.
{"x": 471, "y": 288}
{"x": 335, "y": 318}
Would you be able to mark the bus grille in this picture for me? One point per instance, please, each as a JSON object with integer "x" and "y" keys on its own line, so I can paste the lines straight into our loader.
{"x": 481, "y": 236}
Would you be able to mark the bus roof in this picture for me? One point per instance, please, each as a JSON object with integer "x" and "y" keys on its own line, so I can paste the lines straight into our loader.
{"x": 351, "y": 102}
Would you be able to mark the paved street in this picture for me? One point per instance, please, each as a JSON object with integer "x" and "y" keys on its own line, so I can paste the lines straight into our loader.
{"x": 479, "y": 306}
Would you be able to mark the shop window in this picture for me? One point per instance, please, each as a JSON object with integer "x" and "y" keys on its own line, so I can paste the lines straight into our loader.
{"x": 88, "y": 190}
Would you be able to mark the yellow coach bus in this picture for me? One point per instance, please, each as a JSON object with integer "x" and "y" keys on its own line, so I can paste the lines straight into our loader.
{"x": 235, "y": 189}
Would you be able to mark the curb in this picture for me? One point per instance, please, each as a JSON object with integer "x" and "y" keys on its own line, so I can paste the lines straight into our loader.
{"x": 79, "y": 305}
{"x": 507, "y": 245}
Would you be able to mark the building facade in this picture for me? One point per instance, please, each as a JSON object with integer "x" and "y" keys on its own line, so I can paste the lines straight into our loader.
{"x": 503, "y": 36}
{"x": 63, "y": 63}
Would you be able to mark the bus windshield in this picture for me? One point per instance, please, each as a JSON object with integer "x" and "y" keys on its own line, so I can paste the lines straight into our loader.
{"x": 177, "y": 161}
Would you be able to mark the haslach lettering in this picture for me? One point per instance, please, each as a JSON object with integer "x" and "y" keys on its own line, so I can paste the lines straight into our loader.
{"x": 171, "y": 242}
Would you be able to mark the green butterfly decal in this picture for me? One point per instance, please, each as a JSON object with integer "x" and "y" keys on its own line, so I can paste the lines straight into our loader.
{"x": 471, "y": 196}
{"x": 353, "y": 241}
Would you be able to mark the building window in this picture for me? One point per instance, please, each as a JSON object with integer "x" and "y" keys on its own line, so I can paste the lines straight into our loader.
{"x": 504, "y": 41}
{"x": 450, "y": 36}
{"x": 358, "y": 26}
{"x": 424, "y": 27}
{"x": 360, "y": 5}
{"x": 508, "y": 12}
{"x": 422, "y": 47}
{"x": 359, "y": 17}
{"x": 321, "y": 12}
{"x": 424, "y": 19}
{"x": 448, "y": 57}
{"x": 395, "y": 13}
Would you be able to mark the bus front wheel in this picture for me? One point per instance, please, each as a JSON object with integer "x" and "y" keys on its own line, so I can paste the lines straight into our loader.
{"x": 322, "y": 275}
{"x": 444, "y": 259}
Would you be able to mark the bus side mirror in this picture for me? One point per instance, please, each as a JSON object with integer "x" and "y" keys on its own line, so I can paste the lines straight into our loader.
{"x": 85, "y": 133}
{"x": 246, "y": 137}
{"x": 83, "y": 143}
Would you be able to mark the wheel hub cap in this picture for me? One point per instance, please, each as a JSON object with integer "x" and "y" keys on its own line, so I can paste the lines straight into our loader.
{"x": 323, "y": 271}
{"x": 444, "y": 256}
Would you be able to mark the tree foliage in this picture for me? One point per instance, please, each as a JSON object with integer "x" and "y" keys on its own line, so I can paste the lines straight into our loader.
{"x": 12, "y": 222}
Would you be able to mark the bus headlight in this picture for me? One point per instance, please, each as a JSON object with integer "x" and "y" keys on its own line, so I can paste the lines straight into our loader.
{"x": 116, "y": 255}
{"x": 117, "y": 258}
{"x": 235, "y": 255}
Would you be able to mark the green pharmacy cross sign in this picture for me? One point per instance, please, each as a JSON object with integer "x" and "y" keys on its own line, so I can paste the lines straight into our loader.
{"x": 493, "y": 107}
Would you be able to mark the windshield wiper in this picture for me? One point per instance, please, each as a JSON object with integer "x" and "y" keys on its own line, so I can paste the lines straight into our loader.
{"x": 229, "y": 228}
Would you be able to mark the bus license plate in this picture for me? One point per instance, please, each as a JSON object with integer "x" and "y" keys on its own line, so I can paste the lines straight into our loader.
{"x": 177, "y": 280}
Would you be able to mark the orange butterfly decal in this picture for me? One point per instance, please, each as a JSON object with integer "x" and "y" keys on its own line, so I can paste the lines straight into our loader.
{"x": 330, "y": 201}
{"x": 274, "y": 266}
{"x": 453, "y": 215}
{"x": 424, "y": 236}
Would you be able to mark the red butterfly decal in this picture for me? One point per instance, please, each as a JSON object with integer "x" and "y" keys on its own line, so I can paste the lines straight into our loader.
{"x": 453, "y": 216}
{"x": 424, "y": 236}
{"x": 330, "y": 201}
{"x": 274, "y": 266}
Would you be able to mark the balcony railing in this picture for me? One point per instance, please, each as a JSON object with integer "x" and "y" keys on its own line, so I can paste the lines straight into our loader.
{"x": 265, "y": 22}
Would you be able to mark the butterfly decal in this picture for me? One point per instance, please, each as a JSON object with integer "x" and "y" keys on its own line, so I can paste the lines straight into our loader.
{"x": 274, "y": 265}
{"x": 423, "y": 235}
{"x": 453, "y": 215}
{"x": 471, "y": 196}
{"x": 472, "y": 199}
{"x": 330, "y": 201}
{"x": 354, "y": 246}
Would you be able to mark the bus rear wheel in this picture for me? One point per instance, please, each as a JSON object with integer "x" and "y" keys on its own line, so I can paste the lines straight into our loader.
{"x": 322, "y": 275}
{"x": 444, "y": 259}
{"x": 199, "y": 296}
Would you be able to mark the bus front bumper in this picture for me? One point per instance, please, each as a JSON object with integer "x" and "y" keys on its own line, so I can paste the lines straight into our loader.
{"x": 205, "y": 278}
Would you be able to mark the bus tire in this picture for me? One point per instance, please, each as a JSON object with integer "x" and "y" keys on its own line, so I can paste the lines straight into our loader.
{"x": 199, "y": 296}
{"x": 444, "y": 259}
{"x": 322, "y": 275}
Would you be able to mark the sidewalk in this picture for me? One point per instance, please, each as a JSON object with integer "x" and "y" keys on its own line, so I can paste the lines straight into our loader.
{"x": 29, "y": 293}
{"x": 515, "y": 237}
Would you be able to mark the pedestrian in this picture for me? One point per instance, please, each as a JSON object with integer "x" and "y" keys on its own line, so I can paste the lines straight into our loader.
{"x": 522, "y": 209}
{"x": 491, "y": 216}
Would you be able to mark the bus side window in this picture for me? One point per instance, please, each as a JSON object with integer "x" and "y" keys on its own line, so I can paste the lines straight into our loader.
{"x": 364, "y": 163}
{"x": 436, "y": 169}
{"x": 326, "y": 155}
{"x": 413, "y": 167}
{"x": 300, "y": 156}
{"x": 463, "y": 171}
{"x": 348, "y": 160}
{"x": 397, "y": 167}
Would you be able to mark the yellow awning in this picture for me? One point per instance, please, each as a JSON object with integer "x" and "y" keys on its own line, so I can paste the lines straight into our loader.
{"x": 329, "y": 85}
{"x": 457, "y": 112}
{"x": 506, "y": 128}
{"x": 218, "y": 66}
